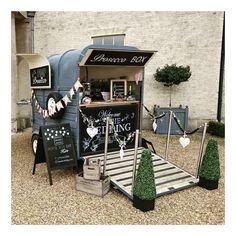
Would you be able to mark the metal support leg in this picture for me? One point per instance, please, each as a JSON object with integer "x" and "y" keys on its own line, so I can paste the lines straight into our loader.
{"x": 106, "y": 146}
{"x": 135, "y": 158}
{"x": 201, "y": 150}
{"x": 168, "y": 135}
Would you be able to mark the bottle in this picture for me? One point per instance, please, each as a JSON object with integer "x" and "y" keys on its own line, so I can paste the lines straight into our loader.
{"x": 130, "y": 91}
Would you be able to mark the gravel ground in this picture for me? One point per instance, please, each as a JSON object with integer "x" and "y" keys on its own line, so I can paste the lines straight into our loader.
{"x": 34, "y": 201}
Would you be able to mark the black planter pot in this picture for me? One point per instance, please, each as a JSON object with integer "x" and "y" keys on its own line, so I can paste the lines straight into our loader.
{"x": 208, "y": 184}
{"x": 143, "y": 205}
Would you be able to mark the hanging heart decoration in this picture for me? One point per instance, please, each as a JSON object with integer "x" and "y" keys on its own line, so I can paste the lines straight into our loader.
{"x": 121, "y": 153}
{"x": 92, "y": 131}
{"x": 154, "y": 126}
{"x": 137, "y": 77}
{"x": 184, "y": 141}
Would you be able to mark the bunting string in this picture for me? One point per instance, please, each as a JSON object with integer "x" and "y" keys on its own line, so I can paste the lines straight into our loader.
{"x": 60, "y": 104}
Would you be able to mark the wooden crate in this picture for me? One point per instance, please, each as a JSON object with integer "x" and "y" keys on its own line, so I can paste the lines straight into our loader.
{"x": 92, "y": 169}
{"x": 96, "y": 187}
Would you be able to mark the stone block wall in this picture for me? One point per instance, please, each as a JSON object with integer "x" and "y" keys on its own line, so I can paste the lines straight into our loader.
{"x": 183, "y": 38}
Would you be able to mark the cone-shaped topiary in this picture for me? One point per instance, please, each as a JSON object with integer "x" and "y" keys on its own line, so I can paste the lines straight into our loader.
{"x": 144, "y": 183}
{"x": 209, "y": 172}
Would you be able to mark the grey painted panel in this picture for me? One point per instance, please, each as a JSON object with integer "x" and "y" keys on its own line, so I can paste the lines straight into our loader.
{"x": 68, "y": 68}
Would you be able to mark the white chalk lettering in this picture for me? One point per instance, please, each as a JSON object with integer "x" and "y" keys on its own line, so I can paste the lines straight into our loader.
{"x": 118, "y": 128}
{"x": 103, "y": 58}
{"x": 139, "y": 59}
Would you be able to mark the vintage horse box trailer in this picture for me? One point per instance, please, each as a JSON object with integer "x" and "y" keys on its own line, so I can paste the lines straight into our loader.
{"x": 57, "y": 83}
{"x": 56, "y": 95}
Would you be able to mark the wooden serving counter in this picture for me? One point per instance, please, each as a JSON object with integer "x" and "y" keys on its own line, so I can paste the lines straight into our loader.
{"x": 110, "y": 103}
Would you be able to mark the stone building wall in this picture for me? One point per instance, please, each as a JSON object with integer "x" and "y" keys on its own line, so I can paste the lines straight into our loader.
{"x": 184, "y": 38}
{"x": 21, "y": 42}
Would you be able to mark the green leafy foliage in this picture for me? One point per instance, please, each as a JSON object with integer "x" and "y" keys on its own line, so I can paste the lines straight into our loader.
{"x": 172, "y": 74}
{"x": 144, "y": 184}
{"x": 216, "y": 128}
{"x": 210, "y": 167}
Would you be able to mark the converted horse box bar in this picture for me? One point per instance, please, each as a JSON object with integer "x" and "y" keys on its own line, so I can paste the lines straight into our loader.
{"x": 103, "y": 119}
{"x": 116, "y": 70}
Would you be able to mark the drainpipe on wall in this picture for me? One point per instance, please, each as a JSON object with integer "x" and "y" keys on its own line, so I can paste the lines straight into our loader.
{"x": 31, "y": 15}
{"x": 221, "y": 79}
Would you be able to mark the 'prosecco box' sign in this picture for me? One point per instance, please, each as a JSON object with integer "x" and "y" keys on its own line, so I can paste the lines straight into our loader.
{"x": 119, "y": 58}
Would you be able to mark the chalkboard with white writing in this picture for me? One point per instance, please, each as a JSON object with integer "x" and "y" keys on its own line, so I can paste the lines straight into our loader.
{"x": 118, "y": 58}
{"x": 58, "y": 149}
{"x": 40, "y": 77}
{"x": 92, "y": 134}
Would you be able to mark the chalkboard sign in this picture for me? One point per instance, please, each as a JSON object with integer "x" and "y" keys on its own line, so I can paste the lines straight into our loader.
{"x": 118, "y": 58}
{"x": 40, "y": 77}
{"x": 92, "y": 139}
{"x": 55, "y": 146}
{"x": 118, "y": 88}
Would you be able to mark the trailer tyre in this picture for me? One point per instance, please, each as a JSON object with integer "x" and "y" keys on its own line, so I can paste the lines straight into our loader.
{"x": 34, "y": 143}
{"x": 52, "y": 99}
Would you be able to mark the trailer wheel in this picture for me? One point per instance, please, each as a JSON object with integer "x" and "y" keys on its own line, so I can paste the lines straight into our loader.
{"x": 52, "y": 99}
{"x": 34, "y": 143}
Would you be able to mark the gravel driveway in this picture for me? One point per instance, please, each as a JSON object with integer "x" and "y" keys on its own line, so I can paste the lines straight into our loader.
{"x": 34, "y": 201}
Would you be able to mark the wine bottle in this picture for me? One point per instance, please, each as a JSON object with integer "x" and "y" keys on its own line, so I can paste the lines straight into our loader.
{"x": 130, "y": 91}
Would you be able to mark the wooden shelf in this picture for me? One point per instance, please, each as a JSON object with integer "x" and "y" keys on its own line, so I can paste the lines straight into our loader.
{"x": 111, "y": 103}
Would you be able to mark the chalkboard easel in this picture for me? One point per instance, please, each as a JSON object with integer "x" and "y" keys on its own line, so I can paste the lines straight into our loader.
{"x": 55, "y": 147}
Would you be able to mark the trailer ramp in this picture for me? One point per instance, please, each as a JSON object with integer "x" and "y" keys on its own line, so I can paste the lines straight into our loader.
{"x": 168, "y": 177}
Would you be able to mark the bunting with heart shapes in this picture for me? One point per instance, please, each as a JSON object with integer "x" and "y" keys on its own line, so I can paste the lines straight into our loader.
{"x": 66, "y": 99}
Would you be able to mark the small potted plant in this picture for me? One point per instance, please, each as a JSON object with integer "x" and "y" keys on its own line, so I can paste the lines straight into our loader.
{"x": 144, "y": 191}
{"x": 209, "y": 172}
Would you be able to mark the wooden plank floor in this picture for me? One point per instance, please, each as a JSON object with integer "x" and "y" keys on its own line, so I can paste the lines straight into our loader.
{"x": 168, "y": 177}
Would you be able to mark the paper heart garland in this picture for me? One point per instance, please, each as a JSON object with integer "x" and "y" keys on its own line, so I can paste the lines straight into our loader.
{"x": 92, "y": 131}
{"x": 184, "y": 141}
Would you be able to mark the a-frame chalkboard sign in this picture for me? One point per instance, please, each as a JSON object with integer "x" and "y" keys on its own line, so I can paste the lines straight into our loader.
{"x": 55, "y": 147}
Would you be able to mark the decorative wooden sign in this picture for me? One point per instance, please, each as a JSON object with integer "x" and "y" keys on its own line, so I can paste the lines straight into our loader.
{"x": 40, "y": 77}
{"x": 118, "y": 57}
{"x": 55, "y": 147}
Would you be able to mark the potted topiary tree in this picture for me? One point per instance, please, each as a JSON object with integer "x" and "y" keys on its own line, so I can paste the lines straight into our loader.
{"x": 209, "y": 172}
{"x": 171, "y": 75}
{"x": 144, "y": 191}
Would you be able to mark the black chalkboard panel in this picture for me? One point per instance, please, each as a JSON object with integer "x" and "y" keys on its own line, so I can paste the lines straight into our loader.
{"x": 92, "y": 140}
{"x": 40, "y": 77}
{"x": 118, "y": 58}
{"x": 55, "y": 146}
